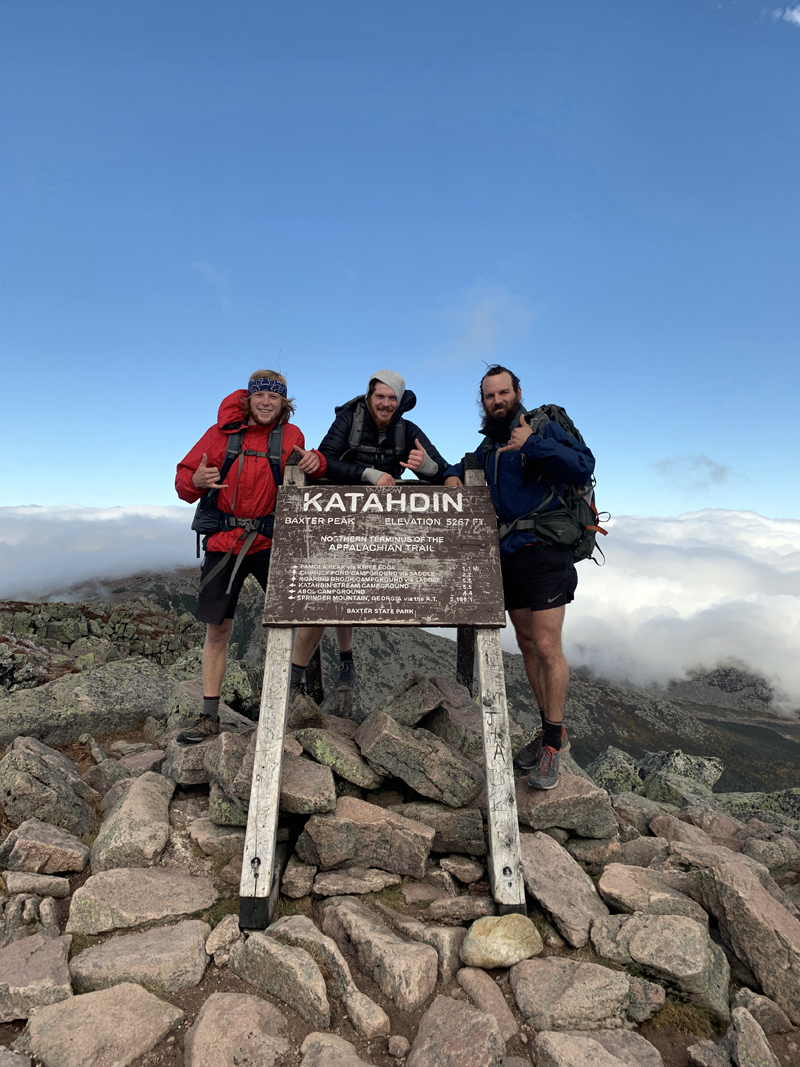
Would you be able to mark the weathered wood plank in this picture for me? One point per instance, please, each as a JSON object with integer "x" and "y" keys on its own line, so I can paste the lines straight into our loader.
{"x": 465, "y": 644}
{"x": 505, "y": 865}
{"x": 258, "y": 862}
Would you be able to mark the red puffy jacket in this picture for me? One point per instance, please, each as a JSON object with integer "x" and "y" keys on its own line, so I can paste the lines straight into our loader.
{"x": 255, "y": 487}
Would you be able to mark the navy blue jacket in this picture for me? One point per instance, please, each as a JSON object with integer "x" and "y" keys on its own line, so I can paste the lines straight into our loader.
{"x": 519, "y": 489}
{"x": 345, "y": 465}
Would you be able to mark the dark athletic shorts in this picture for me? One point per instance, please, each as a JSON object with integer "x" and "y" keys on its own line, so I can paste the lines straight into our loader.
{"x": 539, "y": 577}
{"x": 214, "y": 604}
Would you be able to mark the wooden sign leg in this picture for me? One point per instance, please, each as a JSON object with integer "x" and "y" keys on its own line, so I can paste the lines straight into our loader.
{"x": 505, "y": 864}
{"x": 258, "y": 862}
{"x": 465, "y": 657}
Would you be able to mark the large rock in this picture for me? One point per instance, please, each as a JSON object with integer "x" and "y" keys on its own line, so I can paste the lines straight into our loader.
{"x": 136, "y": 830}
{"x": 112, "y": 698}
{"x": 367, "y": 1017}
{"x": 458, "y": 721}
{"x": 405, "y": 972}
{"x": 364, "y": 835}
{"x": 771, "y": 1018}
{"x": 631, "y": 889}
{"x": 703, "y": 769}
{"x": 445, "y": 939}
{"x": 41, "y": 848}
{"x": 760, "y": 931}
{"x": 126, "y": 898}
{"x": 452, "y": 1034}
{"x": 420, "y": 759}
{"x": 561, "y": 886}
{"x": 637, "y": 811}
{"x": 40, "y": 885}
{"x": 644, "y": 852}
{"x": 600, "y": 1048}
{"x": 411, "y": 700}
{"x": 615, "y": 771}
{"x": 353, "y": 880}
{"x": 285, "y": 972}
{"x": 670, "y": 948}
{"x": 217, "y": 840}
{"x": 236, "y": 1028}
{"x": 113, "y": 1026}
{"x": 306, "y": 787}
{"x": 574, "y": 804}
{"x": 562, "y": 994}
{"x": 328, "y": 1050}
{"x": 36, "y": 781}
{"x": 500, "y": 941}
{"x": 223, "y": 757}
{"x": 297, "y": 879}
{"x": 33, "y": 973}
{"x": 460, "y": 909}
{"x": 673, "y": 829}
{"x": 457, "y": 829}
{"x": 747, "y": 1042}
{"x": 341, "y": 755}
{"x": 675, "y": 789}
{"x": 167, "y": 957}
{"x": 486, "y": 996}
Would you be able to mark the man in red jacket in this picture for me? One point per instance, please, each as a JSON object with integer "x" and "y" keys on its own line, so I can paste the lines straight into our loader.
{"x": 237, "y": 514}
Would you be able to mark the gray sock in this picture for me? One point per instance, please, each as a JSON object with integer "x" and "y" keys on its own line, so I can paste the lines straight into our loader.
{"x": 298, "y": 675}
{"x": 211, "y": 707}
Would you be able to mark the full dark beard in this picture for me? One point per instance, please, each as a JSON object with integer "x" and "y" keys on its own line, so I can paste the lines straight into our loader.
{"x": 499, "y": 429}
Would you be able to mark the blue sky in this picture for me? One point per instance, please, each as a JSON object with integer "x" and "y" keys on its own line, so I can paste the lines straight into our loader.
{"x": 602, "y": 196}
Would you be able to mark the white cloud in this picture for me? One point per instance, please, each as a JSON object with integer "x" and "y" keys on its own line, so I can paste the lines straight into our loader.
{"x": 218, "y": 280}
{"x": 485, "y": 319}
{"x": 48, "y": 549}
{"x": 788, "y": 14}
{"x": 706, "y": 588}
{"x": 702, "y": 589}
{"x": 694, "y": 471}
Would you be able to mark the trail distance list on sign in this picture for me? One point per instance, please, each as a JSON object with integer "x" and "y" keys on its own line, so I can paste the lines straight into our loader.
{"x": 408, "y": 555}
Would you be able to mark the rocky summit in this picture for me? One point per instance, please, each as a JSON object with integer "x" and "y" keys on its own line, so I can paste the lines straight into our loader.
{"x": 662, "y": 907}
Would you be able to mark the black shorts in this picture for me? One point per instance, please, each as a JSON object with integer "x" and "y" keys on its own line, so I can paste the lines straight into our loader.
{"x": 214, "y": 603}
{"x": 539, "y": 577}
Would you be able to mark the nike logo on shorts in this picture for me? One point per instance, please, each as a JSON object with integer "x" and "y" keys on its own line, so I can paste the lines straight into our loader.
{"x": 550, "y": 599}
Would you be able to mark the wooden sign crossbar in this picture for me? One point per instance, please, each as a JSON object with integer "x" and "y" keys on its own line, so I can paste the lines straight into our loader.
{"x": 479, "y": 653}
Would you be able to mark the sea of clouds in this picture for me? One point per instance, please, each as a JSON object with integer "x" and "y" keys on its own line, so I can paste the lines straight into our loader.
{"x": 708, "y": 588}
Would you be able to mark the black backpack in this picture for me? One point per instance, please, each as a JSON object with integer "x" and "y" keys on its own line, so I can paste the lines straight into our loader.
{"x": 577, "y": 521}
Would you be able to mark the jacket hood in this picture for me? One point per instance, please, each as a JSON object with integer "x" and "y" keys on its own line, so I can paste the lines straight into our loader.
{"x": 229, "y": 416}
{"x": 408, "y": 402}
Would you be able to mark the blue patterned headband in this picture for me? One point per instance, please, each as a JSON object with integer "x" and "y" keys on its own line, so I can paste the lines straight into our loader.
{"x": 268, "y": 385}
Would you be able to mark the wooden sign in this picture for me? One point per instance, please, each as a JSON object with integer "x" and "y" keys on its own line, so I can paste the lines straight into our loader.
{"x": 402, "y": 555}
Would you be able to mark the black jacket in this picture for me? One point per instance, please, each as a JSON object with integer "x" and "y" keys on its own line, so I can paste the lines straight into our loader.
{"x": 347, "y": 464}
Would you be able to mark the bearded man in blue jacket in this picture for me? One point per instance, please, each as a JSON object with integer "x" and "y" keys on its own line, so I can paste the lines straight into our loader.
{"x": 526, "y": 467}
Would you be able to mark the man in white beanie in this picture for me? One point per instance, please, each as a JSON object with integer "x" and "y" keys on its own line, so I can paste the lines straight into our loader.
{"x": 370, "y": 442}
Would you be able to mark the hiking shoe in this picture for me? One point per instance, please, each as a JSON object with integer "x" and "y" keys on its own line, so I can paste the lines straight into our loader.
{"x": 347, "y": 676}
{"x": 528, "y": 756}
{"x": 545, "y": 774}
{"x": 201, "y": 730}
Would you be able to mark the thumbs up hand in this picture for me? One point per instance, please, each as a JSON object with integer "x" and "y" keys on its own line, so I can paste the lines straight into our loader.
{"x": 206, "y": 477}
{"x": 416, "y": 457}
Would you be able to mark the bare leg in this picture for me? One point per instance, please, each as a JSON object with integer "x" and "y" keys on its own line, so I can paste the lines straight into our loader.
{"x": 305, "y": 644}
{"x": 539, "y": 638}
{"x": 344, "y": 636}
{"x": 215, "y": 656}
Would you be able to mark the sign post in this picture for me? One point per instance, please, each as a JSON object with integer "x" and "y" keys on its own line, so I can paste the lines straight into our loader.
{"x": 402, "y": 555}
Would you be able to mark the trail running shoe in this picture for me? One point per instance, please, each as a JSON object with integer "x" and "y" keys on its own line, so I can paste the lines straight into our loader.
{"x": 201, "y": 730}
{"x": 528, "y": 756}
{"x": 545, "y": 774}
{"x": 347, "y": 676}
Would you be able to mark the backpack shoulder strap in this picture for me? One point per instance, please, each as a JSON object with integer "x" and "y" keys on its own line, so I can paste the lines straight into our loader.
{"x": 232, "y": 450}
{"x": 274, "y": 452}
{"x": 357, "y": 429}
